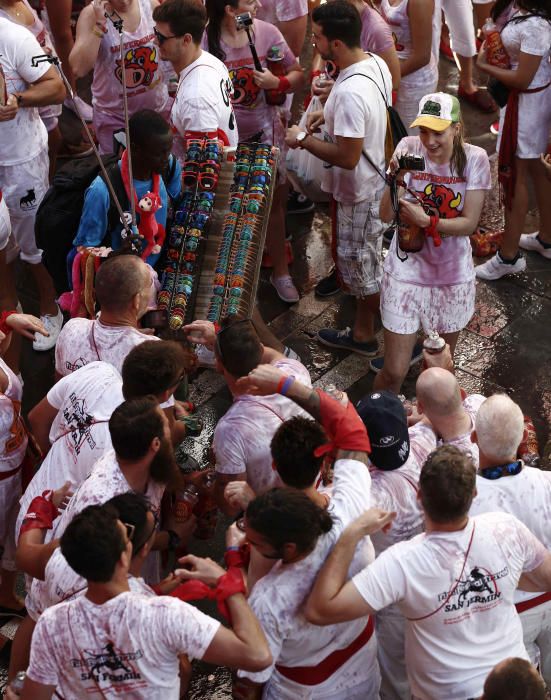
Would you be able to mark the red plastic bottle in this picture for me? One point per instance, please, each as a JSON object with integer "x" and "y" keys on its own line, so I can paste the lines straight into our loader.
{"x": 496, "y": 55}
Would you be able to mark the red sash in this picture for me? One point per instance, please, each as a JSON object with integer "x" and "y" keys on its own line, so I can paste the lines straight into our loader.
{"x": 314, "y": 675}
{"x": 529, "y": 604}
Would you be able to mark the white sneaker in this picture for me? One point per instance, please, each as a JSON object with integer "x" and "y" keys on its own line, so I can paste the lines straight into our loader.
{"x": 285, "y": 289}
{"x": 495, "y": 268}
{"x": 84, "y": 108}
{"x": 529, "y": 241}
{"x": 53, "y": 326}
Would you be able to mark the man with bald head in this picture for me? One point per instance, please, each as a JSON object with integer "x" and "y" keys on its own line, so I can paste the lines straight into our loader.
{"x": 452, "y": 417}
{"x": 504, "y": 483}
{"x": 123, "y": 289}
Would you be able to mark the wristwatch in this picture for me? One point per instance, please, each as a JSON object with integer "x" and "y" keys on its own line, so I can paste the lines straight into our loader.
{"x": 19, "y": 98}
{"x": 300, "y": 138}
{"x": 173, "y": 540}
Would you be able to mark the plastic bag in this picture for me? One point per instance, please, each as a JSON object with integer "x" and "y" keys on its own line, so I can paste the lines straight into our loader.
{"x": 304, "y": 170}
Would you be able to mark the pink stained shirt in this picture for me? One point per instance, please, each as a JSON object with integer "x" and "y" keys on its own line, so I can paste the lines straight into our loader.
{"x": 144, "y": 78}
{"x": 252, "y": 113}
{"x": 442, "y": 192}
{"x": 376, "y": 33}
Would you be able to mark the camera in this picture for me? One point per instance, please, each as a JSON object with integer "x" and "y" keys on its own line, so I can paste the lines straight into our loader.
{"x": 245, "y": 19}
{"x": 409, "y": 161}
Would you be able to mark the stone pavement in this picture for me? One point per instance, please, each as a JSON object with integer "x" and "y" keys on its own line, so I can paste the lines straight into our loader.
{"x": 504, "y": 348}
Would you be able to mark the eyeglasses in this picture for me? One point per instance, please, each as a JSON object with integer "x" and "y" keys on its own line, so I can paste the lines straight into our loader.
{"x": 226, "y": 328}
{"x": 161, "y": 38}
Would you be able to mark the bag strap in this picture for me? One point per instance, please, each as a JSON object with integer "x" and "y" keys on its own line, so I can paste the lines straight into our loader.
{"x": 385, "y": 100}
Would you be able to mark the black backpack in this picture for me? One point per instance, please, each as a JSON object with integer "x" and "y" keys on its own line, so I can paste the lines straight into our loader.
{"x": 59, "y": 213}
{"x": 58, "y": 216}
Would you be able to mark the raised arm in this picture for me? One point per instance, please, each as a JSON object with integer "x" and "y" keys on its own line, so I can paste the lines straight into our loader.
{"x": 333, "y": 598}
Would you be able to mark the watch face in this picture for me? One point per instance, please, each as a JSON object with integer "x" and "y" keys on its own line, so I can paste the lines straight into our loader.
{"x": 301, "y": 136}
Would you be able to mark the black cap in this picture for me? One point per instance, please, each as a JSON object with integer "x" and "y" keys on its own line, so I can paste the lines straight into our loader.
{"x": 385, "y": 418}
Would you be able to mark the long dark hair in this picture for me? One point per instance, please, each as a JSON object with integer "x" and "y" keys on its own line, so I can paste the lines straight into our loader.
{"x": 216, "y": 11}
{"x": 540, "y": 8}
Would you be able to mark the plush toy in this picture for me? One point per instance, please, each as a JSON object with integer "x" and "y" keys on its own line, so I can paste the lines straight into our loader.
{"x": 148, "y": 227}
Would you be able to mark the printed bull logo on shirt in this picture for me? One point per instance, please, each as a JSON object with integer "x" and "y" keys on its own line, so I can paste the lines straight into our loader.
{"x": 441, "y": 200}
{"x": 108, "y": 665}
{"x": 78, "y": 424}
{"x": 245, "y": 91}
{"x": 478, "y": 587}
{"x": 140, "y": 66}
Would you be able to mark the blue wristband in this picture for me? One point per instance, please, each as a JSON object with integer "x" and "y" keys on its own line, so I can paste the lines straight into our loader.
{"x": 286, "y": 386}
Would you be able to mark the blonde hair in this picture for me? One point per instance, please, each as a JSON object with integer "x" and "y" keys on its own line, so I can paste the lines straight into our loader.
{"x": 458, "y": 161}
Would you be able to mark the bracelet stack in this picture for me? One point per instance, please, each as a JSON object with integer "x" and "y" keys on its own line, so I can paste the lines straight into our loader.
{"x": 189, "y": 230}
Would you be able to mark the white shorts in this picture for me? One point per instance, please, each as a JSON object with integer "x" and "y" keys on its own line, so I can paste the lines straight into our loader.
{"x": 459, "y": 18}
{"x": 405, "y": 307}
{"x": 10, "y": 493}
{"x": 24, "y": 186}
{"x": 407, "y": 102}
{"x": 5, "y": 224}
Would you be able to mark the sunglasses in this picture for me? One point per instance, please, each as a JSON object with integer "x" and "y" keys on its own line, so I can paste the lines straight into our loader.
{"x": 161, "y": 38}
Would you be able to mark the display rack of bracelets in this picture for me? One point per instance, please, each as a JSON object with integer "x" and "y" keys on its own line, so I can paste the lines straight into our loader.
{"x": 215, "y": 244}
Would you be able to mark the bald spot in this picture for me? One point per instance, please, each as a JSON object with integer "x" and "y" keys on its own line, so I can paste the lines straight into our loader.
{"x": 118, "y": 281}
{"x": 438, "y": 391}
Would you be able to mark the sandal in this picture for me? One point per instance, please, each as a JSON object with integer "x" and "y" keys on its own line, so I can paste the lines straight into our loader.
{"x": 480, "y": 99}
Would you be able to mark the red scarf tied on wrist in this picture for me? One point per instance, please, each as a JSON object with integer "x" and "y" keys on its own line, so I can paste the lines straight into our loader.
{"x": 227, "y": 585}
{"x": 41, "y": 513}
{"x": 343, "y": 425}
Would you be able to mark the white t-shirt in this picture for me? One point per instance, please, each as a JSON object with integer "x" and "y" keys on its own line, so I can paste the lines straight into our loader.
{"x": 243, "y": 435}
{"x": 531, "y": 36}
{"x": 444, "y": 194}
{"x": 128, "y": 647}
{"x": 527, "y": 496}
{"x": 396, "y": 490}
{"x": 62, "y": 583}
{"x": 278, "y": 597}
{"x": 79, "y": 435}
{"x": 13, "y": 437}
{"x": 105, "y": 481}
{"x": 24, "y": 137}
{"x": 463, "y": 442}
{"x": 203, "y": 101}
{"x": 462, "y": 585}
{"x": 355, "y": 109}
{"x": 82, "y": 341}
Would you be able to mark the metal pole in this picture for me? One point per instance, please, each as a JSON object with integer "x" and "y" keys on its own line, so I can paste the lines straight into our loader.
{"x": 117, "y": 22}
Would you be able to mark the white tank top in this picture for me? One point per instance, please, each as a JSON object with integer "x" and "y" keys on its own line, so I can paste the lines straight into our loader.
{"x": 144, "y": 78}
{"x": 397, "y": 18}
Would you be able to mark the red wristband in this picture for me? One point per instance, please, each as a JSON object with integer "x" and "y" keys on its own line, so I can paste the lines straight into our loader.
{"x": 280, "y": 385}
{"x": 432, "y": 232}
{"x": 4, "y": 328}
{"x": 41, "y": 514}
{"x": 227, "y": 585}
{"x": 284, "y": 84}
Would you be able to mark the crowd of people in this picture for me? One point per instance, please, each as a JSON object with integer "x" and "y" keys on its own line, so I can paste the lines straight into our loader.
{"x": 385, "y": 550}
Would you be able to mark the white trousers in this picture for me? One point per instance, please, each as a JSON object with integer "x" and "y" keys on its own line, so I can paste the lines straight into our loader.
{"x": 390, "y": 626}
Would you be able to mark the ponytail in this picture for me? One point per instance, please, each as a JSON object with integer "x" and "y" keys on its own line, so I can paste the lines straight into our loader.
{"x": 216, "y": 11}
{"x": 458, "y": 161}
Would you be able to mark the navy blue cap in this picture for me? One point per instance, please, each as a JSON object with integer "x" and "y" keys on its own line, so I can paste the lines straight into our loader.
{"x": 385, "y": 418}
